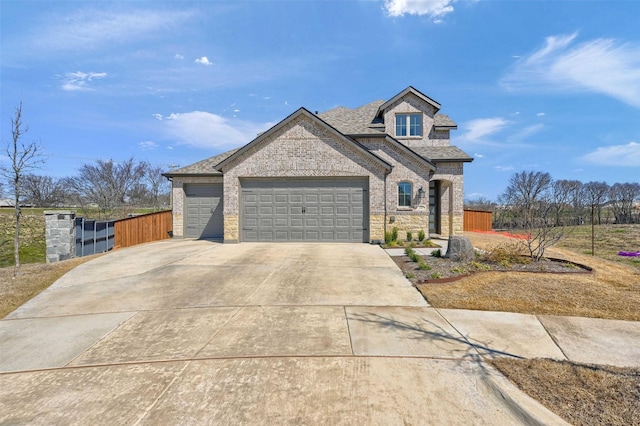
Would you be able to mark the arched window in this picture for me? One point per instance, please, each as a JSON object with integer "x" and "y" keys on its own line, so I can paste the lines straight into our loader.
{"x": 405, "y": 190}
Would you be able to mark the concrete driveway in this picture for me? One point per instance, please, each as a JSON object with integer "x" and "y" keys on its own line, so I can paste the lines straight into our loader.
{"x": 192, "y": 332}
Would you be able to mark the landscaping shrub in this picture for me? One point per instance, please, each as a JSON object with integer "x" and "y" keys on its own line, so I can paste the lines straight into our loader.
{"x": 507, "y": 254}
{"x": 388, "y": 237}
{"x": 421, "y": 235}
{"x": 409, "y": 236}
{"x": 394, "y": 234}
{"x": 436, "y": 253}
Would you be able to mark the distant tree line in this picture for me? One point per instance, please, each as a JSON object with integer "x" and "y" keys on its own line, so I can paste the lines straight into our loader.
{"x": 105, "y": 188}
{"x": 562, "y": 202}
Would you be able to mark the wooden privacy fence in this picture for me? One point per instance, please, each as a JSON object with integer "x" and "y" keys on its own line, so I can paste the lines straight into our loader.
{"x": 143, "y": 229}
{"x": 477, "y": 220}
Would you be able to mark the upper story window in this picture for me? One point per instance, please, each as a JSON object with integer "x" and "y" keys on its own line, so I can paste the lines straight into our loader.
{"x": 408, "y": 124}
{"x": 404, "y": 194}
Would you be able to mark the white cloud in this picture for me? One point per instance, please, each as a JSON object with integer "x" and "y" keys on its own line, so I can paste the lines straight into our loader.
{"x": 601, "y": 65}
{"x": 478, "y": 155}
{"x": 525, "y": 133}
{"x": 206, "y": 130}
{"x": 148, "y": 145}
{"x": 90, "y": 29}
{"x": 179, "y": 56}
{"x": 158, "y": 117}
{"x": 477, "y": 129}
{"x": 78, "y": 81}
{"x": 435, "y": 9}
{"x": 503, "y": 168}
{"x": 203, "y": 60}
{"x": 617, "y": 155}
{"x": 540, "y": 114}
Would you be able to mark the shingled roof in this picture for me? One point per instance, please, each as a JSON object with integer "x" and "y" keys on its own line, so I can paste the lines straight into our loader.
{"x": 204, "y": 167}
{"x": 443, "y": 153}
{"x": 364, "y": 120}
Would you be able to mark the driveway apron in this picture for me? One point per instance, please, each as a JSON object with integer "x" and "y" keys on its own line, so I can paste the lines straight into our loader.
{"x": 191, "y": 332}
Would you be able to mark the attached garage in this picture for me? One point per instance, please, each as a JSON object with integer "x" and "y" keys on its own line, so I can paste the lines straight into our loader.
{"x": 203, "y": 208}
{"x": 301, "y": 209}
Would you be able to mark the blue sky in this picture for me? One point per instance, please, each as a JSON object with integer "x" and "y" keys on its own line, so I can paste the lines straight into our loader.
{"x": 552, "y": 86}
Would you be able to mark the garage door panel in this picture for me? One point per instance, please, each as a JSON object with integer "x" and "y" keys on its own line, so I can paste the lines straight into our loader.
{"x": 311, "y": 222}
{"x": 304, "y": 210}
{"x": 203, "y": 207}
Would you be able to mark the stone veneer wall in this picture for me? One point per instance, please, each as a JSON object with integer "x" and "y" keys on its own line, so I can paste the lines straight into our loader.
{"x": 302, "y": 148}
{"x": 178, "y": 196}
{"x": 60, "y": 234}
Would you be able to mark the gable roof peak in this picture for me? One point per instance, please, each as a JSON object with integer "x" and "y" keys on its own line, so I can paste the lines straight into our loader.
{"x": 409, "y": 90}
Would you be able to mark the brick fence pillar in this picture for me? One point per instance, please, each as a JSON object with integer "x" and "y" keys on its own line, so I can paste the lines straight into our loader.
{"x": 60, "y": 233}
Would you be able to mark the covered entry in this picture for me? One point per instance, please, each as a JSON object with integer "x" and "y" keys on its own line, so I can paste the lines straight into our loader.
{"x": 301, "y": 209}
{"x": 203, "y": 211}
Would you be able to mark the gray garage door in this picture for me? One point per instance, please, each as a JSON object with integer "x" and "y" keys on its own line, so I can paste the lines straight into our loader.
{"x": 204, "y": 217}
{"x": 305, "y": 210}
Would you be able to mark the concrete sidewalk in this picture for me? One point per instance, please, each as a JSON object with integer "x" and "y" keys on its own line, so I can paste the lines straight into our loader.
{"x": 196, "y": 332}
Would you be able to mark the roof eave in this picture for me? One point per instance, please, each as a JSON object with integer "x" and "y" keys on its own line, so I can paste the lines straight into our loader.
{"x": 171, "y": 175}
{"x": 453, "y": 160}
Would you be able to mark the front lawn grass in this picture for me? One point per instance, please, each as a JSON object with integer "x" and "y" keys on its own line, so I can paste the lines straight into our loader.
{"x": 581, "y": 394}
{"x": 31, "y": 280}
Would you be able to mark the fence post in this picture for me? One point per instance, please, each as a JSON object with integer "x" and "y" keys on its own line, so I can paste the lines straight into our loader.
{"x": 60, "y": 234}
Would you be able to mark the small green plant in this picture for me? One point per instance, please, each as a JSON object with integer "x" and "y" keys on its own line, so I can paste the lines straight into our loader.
{"x": 504, "y": 263}
{"x": 435, "y": 276}
{"x": 436, "y": 253}
{"x": 412, "y": 254}
{"x": 458, "y": 270}
{"x": 409, "y": 276}
{"x": 423, "y": 266}
{"x": 409, "y": 236}
{"x": 394, "y": 234}
{"x": 479, "y": 266}
{"x": 388, "y": 237}
{"x": 421, "y": 235}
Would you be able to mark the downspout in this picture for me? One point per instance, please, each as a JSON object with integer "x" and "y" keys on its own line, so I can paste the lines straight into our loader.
{"x": 385, "y": 202}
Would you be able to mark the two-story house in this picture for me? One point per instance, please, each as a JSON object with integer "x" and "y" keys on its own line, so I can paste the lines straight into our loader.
{"x": 346, "y": 175}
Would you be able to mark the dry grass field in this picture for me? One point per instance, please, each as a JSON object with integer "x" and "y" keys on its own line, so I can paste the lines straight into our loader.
{"x": 612, "y": 291}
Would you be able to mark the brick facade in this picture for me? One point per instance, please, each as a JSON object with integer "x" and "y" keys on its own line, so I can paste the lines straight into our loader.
{"x": 304, "y": 146}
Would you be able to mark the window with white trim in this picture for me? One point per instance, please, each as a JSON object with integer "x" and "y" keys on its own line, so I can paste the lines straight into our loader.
{"x": 408, "y": 124}
{"x": 405, "y": 190}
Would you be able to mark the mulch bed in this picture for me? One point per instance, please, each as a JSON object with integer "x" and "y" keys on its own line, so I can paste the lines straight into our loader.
{"x": 442, "y": 270}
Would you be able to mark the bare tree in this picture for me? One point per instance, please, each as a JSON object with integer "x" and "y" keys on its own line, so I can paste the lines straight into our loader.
{"x": 107, "y": 184}
{"x": 525, "y": 189}
{"x": 43, "y": 191}
{"x": 563, "y": 194}
{"x": 529, "y": 197}
{"x": 22, "y": 158}
{"x": 622, "y": 196}
{"x": 595, "y": 194}
{"x": 158, "y": 184}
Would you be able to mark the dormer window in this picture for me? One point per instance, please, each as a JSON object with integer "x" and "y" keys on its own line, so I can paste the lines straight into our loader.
{"x": 408, "y": 125}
